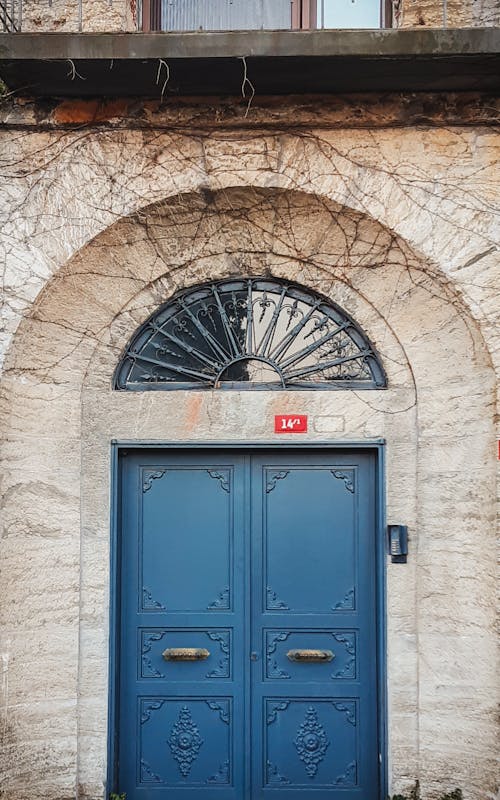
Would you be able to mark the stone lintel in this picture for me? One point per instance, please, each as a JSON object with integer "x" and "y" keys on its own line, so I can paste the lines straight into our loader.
{"x": 306, "y": 112}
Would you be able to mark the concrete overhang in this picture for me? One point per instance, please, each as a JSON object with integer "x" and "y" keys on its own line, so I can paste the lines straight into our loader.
{"x": 274, "y": 62}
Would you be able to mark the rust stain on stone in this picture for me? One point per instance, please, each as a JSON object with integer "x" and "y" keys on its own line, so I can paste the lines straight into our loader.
{"x": 193, "y": 410}
{"x": 84, "y": 111}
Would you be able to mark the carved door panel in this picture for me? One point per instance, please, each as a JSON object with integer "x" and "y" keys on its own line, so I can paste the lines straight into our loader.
{"x": 247, "y": 657}
{"x": 314, "y": 690}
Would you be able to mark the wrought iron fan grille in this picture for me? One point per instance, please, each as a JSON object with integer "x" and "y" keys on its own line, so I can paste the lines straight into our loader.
{"x": 251, "y": 333}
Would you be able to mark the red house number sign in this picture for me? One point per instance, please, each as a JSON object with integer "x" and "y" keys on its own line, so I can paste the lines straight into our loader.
{"x": 290, "y": 423}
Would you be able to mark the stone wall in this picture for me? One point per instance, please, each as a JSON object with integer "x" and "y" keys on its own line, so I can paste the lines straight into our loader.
{"x": 101, "y": 224}
{"x": 71, "y": 16}
{"x": 446, "y": 13}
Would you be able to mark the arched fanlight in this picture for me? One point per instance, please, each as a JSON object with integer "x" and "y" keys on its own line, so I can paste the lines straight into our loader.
{"x": 249, "y": 333}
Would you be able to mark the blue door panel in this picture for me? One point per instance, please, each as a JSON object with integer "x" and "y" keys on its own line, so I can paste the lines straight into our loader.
{"x": 314, "y": 724}
{"x": 154, "y": 642}
{"x": 342, "y": 643}
{"x": 198, "y": 734}
{"x": 310, "y": 539}
{"x": 243, "y": 561}
{"x": 185, "y": 525}
{"x": 311, "y": 744}
{"x": 182, "y": 586}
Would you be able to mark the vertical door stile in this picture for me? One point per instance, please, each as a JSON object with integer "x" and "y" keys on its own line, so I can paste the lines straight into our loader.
{"x": 248, "y": 734}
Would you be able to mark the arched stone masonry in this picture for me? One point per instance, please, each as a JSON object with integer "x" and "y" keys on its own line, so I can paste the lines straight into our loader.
{"x": 60, "y": 414}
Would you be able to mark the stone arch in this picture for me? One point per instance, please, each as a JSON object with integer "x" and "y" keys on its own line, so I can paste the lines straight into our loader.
{"x": 449, "y": 223}
{"x": 59, "y": 415}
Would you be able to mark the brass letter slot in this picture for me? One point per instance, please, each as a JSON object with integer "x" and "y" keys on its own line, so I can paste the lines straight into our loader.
{"x": 310, "y": 656}
{"x": 185, "y": 654}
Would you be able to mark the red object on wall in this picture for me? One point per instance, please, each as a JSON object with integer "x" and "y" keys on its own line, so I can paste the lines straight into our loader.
{"x": 290, "y": 423}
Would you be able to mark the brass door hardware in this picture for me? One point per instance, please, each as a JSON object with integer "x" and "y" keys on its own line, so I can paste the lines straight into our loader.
{"x": 185, "y": 654}
{"x": 310, "y": 656}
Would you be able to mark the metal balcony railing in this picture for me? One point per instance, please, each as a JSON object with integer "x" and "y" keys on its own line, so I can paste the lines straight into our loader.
{"x": 234, "y": 15}
{"x": 9, "y": 16}
{"x": 202, "y": 15}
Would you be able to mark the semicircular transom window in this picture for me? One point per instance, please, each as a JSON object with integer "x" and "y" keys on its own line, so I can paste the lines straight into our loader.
{"x": 250, "y": 333}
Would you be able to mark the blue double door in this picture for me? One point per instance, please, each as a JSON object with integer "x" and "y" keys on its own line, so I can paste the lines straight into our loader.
{"x": 247, "y": 661}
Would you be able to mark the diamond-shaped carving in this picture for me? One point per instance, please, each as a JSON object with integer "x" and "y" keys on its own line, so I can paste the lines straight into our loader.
{"x": 185, "y": 741}
{"x": 311, "y": 742}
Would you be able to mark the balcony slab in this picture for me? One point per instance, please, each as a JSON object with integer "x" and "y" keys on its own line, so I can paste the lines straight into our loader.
{"x": 273, "y": 62}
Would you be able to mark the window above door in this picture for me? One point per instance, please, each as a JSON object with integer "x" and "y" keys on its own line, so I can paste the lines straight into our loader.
{"x": 249, "y": 333}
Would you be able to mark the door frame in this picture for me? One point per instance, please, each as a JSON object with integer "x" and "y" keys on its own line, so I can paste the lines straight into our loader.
{"x": 374, "y": 446}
